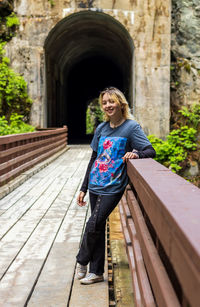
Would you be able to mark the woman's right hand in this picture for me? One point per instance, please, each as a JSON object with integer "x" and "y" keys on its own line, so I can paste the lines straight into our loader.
{"x": 80, "y": 199}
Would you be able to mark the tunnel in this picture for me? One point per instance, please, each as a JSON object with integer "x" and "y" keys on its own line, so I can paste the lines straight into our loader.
{"x": 84, "y": 53}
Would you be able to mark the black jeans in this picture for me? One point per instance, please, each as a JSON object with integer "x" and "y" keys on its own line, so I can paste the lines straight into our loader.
{"x": 92, "y": 248}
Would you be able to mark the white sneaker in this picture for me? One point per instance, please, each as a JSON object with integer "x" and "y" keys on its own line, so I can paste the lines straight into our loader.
{"x": 81, "y": 271}
{"x": 91, "y": 278}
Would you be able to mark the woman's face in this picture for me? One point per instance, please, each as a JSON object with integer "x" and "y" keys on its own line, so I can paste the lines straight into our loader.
{"x": 110, "y": 107}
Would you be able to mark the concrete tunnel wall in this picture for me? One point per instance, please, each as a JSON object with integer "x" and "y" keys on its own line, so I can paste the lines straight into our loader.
{"x": 84, "y": 53}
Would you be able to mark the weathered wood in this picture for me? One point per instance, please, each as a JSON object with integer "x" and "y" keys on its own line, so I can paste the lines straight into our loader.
{"x": 15, "y": 195}
{"x": 14, "y": 213}
{"x": 143, "y": 281}
{"x": 41, "y": 227}
{"x": 32, "y": 190}
{"x": 27, "y": 156}
{"x": 25, "y": 227}
{"x": 27, "y": 147}
{"x": 58, "y": 271}
{"x": 170, "y": 207}
{"x": 123, "y": 290}
{"x": 93, "y": 295}
{"x": 163, "y": 290}
{"x": 7, "y": 139}
{"x": 26, "y": 165}
{"x": 137, "y": 295}
{"x": 20, "y": 152}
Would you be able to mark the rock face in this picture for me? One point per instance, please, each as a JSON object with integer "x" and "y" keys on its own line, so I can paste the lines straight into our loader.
{"x": 185, "y": 30}
{"x": 133, "y": 35}
{"x": 192, "y": 170}
{"x": 185, "y": 52}
{"x": 185, "y": 75}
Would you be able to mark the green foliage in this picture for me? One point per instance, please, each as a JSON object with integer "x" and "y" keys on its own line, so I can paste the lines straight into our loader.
{"x": 177, "y": 67}
{"x": 2, "y": 51}
{"x": 192, "y": 114}
{"x": 8, "y": 26}
{"x": 13, "y": 90}
{"x": 12, "y": 20}
{"x": 174, "y": 150}
{"x": 180, "y": 142}
{"x": 185, "y": 63}
{"x": 94, "y": 115}
{"x": 15, "y": 103}
{"x": 89, "y": 123}
{"x": 17, "y": 125}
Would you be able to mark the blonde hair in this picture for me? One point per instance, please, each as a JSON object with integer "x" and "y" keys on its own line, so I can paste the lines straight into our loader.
{"x": 119, "y": 97}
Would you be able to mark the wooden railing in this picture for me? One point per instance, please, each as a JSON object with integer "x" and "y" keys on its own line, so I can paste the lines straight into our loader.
{"x": 20, "y": 152}
{"x": 160, "y": 215}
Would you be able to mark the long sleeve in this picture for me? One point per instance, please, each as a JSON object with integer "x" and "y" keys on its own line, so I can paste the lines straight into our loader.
{"x": 147, "y": 152}
{"x": 84, "y": 186}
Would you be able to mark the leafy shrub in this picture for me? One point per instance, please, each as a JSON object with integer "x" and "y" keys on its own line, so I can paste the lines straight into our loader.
{"x": 12, "y": 20}
{"x": 15, "y": 103}
{"x": 174, "y": 150}
{"x": 13, "y": 90}
{"x": 89, "y": 123}
{"x": 94, "y": 116}
{"x": 17, "y": 125}
{"x": 8, "y": 26}
{"x": 192, "y": 114}
{"x": 180, "y": 142}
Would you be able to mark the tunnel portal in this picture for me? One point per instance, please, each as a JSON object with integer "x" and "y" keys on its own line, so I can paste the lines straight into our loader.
{"x": 84, "y": 53}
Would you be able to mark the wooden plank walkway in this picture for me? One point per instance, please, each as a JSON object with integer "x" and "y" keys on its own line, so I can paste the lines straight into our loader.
{"x": 40, "y": 231}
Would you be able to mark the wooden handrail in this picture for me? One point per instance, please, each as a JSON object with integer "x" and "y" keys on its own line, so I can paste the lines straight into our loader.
{"x": 6, "y": 139}
{"x": 14, "y": 150}
{"x": 22, "y": 151}
{"x": 160, "y": 214}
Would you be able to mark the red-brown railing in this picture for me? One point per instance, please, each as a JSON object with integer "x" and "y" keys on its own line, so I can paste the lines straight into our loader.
{"x": 20, "y": 152}
{"x": 160, "y": 215}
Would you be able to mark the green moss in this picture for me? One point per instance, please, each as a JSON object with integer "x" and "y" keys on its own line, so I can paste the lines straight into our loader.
{"x": 8, "y": 27}
{"x": 52, "y": 2}
{"x": 12, "y": 20}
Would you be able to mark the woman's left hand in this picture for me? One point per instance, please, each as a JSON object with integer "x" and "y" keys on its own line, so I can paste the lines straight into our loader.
{"x": 130, "y": 155}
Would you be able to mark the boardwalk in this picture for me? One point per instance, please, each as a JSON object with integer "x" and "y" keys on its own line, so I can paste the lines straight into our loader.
{"x": 40, "y": 231}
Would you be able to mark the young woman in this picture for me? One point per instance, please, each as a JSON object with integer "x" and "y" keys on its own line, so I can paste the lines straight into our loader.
{"x": 115, "y": 141}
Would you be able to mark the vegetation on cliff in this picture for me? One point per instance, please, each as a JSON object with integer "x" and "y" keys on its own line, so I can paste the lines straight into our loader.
{"x": 15, "y": 104}
{"x": 8, "y": 26}
{"x": 182, "y": 145}
{"x": 13, "y": 90}
{"x": 15, "y": 125}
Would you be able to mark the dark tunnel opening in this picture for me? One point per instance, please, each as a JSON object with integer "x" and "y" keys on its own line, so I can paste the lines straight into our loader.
{"x": 84, "y": 83}
{"x": 84, "y": 53}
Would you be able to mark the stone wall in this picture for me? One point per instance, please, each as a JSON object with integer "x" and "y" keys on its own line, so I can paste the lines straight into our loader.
{"x": 185, "y": 76}
{"x": 185, "y": 53}
{"x": 147, "y": 22}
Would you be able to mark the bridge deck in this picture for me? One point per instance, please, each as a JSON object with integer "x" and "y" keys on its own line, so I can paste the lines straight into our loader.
{"x": 41, "y": 227}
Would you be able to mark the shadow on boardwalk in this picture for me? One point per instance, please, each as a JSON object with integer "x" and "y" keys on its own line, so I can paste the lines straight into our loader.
{"x": 41, "y": 228}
